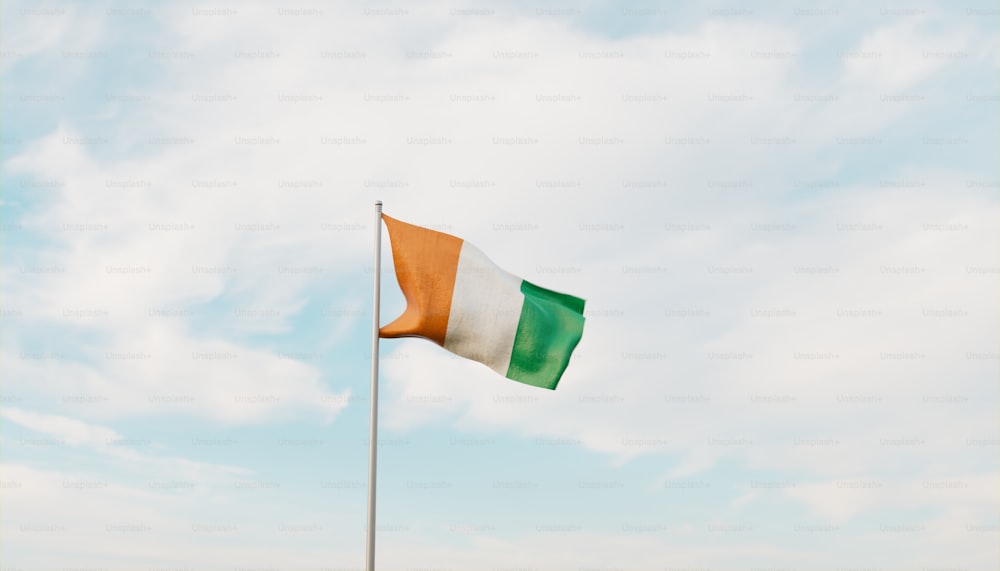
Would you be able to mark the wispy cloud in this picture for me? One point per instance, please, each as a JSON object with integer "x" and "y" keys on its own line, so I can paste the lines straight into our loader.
{"x": 781, "y": 222}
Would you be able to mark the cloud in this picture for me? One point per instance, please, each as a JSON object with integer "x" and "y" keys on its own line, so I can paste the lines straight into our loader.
{"x": 45, "y": 31}
{"x": 118, "y": 526}
{"x": 70, "y": 430}
{"x": 963, "y": 496}
{"x": 160, "y": 372}
{"x": 774, "y": 282}
{"x": 109, "y": 445}
{"x": 900, "y": 55}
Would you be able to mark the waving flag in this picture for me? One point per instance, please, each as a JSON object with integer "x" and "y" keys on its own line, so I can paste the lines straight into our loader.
{"x": 459, "y": 299}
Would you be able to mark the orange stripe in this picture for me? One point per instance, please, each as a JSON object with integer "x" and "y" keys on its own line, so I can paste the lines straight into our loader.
{"x": 426, "y": 262}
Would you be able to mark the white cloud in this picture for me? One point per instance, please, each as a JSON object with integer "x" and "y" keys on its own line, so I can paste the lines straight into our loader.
{"x": 160, "y": 371}
{"x": 659, "y": 369}
{"x": 899, "y": 55}
{"x": 51, "y": 32}
{"x": 111, "y": 525}
{"x": 70, "y": 430}
{"x": 107, "y": 444}
{"x": 943, "y": 512}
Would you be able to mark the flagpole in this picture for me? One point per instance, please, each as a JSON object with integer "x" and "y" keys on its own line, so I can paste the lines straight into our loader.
{"x": 373, "y": 427}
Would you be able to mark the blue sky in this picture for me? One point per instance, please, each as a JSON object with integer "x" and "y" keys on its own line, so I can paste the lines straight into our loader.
{"x": 783, "y": 220}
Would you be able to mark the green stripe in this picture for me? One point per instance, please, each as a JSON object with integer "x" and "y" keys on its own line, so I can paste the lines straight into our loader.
{"x": 550, "y": 326}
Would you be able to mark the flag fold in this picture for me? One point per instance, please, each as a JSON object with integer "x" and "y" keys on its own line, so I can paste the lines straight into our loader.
{"x": 459, "y": 299}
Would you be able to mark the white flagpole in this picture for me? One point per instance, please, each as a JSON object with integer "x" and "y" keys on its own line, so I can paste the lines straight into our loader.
{"x": 373, "y": 428}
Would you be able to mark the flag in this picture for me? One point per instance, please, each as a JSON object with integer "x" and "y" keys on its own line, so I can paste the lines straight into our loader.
{"x": 459, "y": 299}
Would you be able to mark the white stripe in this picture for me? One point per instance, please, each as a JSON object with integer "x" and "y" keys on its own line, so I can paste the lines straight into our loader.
{"x": 485, "y": 309}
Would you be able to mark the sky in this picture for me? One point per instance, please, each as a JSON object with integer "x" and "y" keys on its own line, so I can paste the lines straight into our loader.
{"x": 783, "y": 219}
